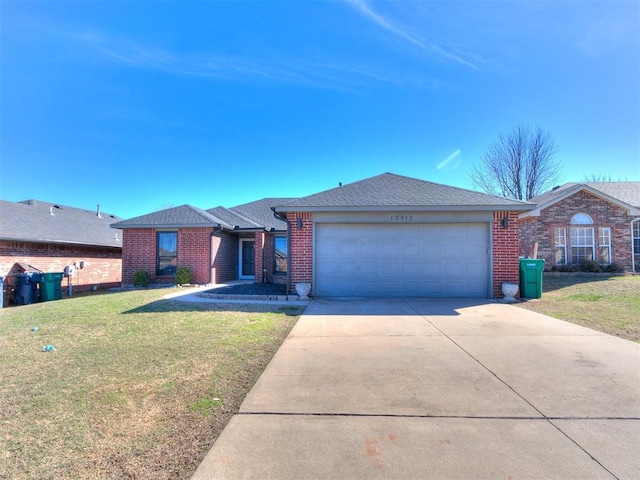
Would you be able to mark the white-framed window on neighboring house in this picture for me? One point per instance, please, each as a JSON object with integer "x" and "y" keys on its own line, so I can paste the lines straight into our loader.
{"x": 604, "y": 245}
{"x": 635, "y": 238}
{"x": 581, "y": 238}
{"x": 560, "y": 238}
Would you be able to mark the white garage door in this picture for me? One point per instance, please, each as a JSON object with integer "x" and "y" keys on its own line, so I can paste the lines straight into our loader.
{"x": 414, "y": 260}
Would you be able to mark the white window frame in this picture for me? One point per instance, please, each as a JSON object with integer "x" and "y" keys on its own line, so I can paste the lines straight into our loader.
{"x": 560, "y": 240}
{"x": 604, "y": 243}
{"x": 583, "y": 238}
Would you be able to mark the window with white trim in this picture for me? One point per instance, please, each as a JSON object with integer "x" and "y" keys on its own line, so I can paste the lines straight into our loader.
{"x": 604, "y": 245}
{"x": 560, "y": 235}
{"x": 582, "y": 244}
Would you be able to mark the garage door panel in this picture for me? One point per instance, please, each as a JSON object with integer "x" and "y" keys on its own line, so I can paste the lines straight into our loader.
{"x": 402, "y": 260}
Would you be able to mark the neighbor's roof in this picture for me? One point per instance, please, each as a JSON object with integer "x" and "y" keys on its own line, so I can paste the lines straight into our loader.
{"x": 38, "y": 221}
{"x": 624, "y": 194}
{"x": 392, "y": 192}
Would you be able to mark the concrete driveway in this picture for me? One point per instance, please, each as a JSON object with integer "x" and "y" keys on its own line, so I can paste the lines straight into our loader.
{"x": 431, "y": 388}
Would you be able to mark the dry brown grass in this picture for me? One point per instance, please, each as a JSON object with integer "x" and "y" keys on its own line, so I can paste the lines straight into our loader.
{"x": 130, "y": 390}
{"x": 610, "y": 304}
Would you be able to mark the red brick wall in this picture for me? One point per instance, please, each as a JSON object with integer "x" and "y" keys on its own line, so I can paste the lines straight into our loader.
{"x": 194, "y": 252}
{"x": 102, "y": 266}
{"x": 195, "y": 249}
{"x": 505, "y": 251}
{"x": 224, "y": 257}
{"x": 301, "y": 260}
{"x": 558, "y": 215}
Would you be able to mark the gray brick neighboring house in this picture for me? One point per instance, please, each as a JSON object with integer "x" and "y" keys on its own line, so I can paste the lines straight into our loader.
{"x": 597, "y": 221}
{"x": 48, "y": 237}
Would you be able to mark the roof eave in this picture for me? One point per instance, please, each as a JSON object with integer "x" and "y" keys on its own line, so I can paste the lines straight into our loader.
{"x": 58, "y": 242}
{"x": 409, "y": 208}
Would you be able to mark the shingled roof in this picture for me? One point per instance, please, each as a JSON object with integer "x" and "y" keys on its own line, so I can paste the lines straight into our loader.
{"x": 247, "y": 217}
{"x": 624, "y": 194}
{"x": 175, "y": 217}
{"x": 390, "y": 192}
{"x": 38, "y": 221}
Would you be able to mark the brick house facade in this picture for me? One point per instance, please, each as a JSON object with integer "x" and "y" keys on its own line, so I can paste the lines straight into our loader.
{"x": 477, "y": 236}
{"x": 591, "y": 221}
{"x": 47, "y": 237}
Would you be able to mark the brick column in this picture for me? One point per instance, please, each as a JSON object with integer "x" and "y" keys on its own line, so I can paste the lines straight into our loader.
{"x": 260, "y": 238}
{"x": 505, "y": 250}
{"x": 301, "y": 249}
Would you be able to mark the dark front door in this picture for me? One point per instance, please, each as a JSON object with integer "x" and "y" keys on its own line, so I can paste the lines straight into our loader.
{"x": 248, "y": 259}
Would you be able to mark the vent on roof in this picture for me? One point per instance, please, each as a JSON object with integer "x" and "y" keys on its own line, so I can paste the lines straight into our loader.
{"x": 51, "y": 210}
{"x": 98, "y": 212}
{"x": 556, "y": 187}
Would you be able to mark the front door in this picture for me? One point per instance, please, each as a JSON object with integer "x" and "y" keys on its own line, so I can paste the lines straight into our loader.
{"x": 247, "y": 258}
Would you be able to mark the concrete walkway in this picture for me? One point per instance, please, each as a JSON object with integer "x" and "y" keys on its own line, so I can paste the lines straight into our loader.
{"x": 442, "y": 389}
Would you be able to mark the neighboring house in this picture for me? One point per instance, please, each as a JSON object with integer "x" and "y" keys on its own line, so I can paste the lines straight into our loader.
{"x": 218, "y": 245}
{"x": 597, "y": 221}
{"x": 384, "y": 236}
{"x": 37, "y": 235}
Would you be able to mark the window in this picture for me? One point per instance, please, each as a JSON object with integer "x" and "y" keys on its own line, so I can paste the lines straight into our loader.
{"x": 167, "y": 251}
{"x": 581, "y": 219}
{"x": 560, "y": 235}
{"x": 280, "y": 251}
{"x": 581, "y": 244}
{"x": 604, "y": 245}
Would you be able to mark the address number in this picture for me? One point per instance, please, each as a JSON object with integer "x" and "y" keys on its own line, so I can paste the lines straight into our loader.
{"x": 401, "y": 218}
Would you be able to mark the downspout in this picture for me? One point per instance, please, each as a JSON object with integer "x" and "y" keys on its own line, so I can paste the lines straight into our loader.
{"x": 216, "y": 229}
{"x": 282, "y": 217}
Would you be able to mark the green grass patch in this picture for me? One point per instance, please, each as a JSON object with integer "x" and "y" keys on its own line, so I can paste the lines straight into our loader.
{"x": 131, "y": 389}
{"x": 608, "y": 303}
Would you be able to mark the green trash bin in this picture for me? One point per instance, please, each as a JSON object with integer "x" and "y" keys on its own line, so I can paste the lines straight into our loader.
{"x": 51, "y": 286}
{"x": 531, "y": 277}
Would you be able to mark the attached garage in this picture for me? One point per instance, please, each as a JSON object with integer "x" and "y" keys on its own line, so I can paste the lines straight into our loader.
{"x": 395, "y": 236}
{"x": 401, "y": 260}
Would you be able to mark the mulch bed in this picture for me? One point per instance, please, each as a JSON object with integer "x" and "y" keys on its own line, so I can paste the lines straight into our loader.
{"x": 250, "y": 289}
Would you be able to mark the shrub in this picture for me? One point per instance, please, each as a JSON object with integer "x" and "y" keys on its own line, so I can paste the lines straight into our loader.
{"x": 589, "y": 266}
{"x": 141, "y": 278}
{"x": 183, "y": 276}
{"x": 611, "y": 268}
{"x": 568, "y": 268}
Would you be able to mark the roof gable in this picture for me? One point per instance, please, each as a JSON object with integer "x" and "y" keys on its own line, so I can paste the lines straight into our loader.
{"x": 623, "y": 194}
{"x": 38, "y": 221}
{"x": 260, "y": 211}
{"x": 389, "y": 191}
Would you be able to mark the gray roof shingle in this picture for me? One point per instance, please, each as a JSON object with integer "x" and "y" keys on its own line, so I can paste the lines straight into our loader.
{"x": 260, "y": 211}
{"x": 175, "y": 217}
{"x": 38, "y": 221}
{"x": 627, "y": 192}
{"x": 391, "y": 191}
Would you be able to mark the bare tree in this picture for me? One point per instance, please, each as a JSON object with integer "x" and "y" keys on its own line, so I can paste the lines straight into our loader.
{"x": 602, "y": 177}
{"x": 520, "y": 164}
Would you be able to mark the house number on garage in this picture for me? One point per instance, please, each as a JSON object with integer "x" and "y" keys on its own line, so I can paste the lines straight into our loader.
{"x": 401, "y": 218}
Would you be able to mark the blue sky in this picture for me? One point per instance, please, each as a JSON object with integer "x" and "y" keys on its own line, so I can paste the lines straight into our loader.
{"x": 140, "y": 105}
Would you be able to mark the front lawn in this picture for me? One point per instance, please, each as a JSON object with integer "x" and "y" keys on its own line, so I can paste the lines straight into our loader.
{"x": 610, "y": 304}
{"x": 137, "y": 387}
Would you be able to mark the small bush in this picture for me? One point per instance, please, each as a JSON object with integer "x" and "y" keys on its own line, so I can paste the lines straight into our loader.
{"x": 141, "y": 278}
{"x": 612, "y": 268}
{"x": 568, "y": 268}
{"x": 589, "y": 266}
{"x": 183, "y": 276}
